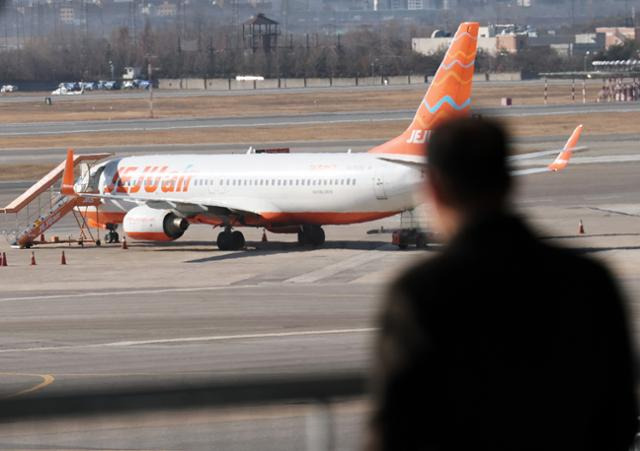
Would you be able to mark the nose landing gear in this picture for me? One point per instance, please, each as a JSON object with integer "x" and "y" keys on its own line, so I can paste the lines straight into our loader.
{"x": 230, "y": 240}
{"x": 112, "y": 235}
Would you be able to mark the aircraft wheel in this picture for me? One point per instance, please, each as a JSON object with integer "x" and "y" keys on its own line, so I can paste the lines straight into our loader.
{"x": 313, "y": 235}
{"x": 116, "y": 237}
{"x": 237, "y": 240}
{"x": 224, "y": 241}
{"x": 317, "y": 236}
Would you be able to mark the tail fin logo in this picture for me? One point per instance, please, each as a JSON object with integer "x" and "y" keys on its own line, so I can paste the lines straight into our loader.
{"x": 418, "y": 137}
{"x": 448, "y": 96}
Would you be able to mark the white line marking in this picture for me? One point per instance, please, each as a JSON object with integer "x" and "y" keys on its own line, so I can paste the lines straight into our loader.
{"x": 124, "y": 344}
{"x": 194, "y": 126}
{"x": 349, "y": 263}
{"x": 634, "y": 158}
{"x": 119, "y": 293}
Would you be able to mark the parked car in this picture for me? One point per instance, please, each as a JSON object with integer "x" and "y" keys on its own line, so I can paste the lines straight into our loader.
{"x": 89, "y": 85}
{"x": 8, "y": 88}
{"x": 111, "y": 85}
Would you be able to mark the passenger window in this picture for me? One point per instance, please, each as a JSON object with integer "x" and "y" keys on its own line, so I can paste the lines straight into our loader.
{"x": 353, "y": 181}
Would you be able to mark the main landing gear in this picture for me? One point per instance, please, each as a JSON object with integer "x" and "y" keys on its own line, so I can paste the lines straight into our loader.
{"x": 230, "y": 241}
{"x": 112, "y": 236}
{"x": 311, "y": 234}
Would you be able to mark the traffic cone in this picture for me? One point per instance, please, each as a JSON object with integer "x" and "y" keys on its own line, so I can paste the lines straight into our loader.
{"x": 124, "y": 243}
{"x": 580, "y": 227}
{"x": 33, "y": 258}
{"x": 4, "y": 259}
{"x": 63, "y": 259}
{"x": 264, "y": 236}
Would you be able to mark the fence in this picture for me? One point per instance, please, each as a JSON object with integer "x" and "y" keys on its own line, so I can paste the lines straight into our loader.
{"x": 223, "y": 84}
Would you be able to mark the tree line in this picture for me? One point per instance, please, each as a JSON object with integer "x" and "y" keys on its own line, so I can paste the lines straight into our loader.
{"x": 219, "y": 51}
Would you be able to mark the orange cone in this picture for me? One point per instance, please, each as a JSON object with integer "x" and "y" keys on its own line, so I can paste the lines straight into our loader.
{"x": 4, "y": 260}
{"x": 264, "y": 236}
{"x": 63, "y": 259}
{"x": 124, "y": 243}
{"x": 580, "y": 227}
{"x": 33, "y": 258}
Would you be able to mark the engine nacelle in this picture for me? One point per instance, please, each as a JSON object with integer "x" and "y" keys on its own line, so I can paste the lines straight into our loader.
{"x": 144, "y": 223}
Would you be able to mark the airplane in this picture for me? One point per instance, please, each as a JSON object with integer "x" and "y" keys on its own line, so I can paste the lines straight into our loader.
{"x": 158, "y": 197}
{"x": 67, "y": 89}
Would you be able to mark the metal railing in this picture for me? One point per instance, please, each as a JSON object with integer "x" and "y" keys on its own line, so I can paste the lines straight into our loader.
{"x": 317, "y": 391}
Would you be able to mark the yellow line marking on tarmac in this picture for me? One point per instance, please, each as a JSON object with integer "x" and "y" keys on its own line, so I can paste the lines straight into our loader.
{"x": 47, "y": 379}
{"x": 122, "y": 344}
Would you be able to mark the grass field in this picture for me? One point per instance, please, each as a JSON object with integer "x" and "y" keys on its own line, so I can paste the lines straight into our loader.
{"x": 106, "y": 107}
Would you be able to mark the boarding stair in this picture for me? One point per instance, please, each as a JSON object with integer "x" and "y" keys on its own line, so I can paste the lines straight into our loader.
{"x": 42, "y": 205}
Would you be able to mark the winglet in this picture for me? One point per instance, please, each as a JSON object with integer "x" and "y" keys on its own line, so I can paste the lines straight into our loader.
{"x": 562, "y": 160}
{"x": 67, "y": 177}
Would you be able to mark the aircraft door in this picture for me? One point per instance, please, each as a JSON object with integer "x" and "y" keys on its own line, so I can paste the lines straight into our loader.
{"x": 378, "y": 187}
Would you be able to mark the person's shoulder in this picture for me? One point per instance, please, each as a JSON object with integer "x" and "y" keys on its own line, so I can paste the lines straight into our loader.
{"x": 575, "y": 264}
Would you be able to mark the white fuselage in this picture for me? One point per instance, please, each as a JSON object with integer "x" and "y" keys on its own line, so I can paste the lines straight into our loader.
{"x": 353, "y": 187}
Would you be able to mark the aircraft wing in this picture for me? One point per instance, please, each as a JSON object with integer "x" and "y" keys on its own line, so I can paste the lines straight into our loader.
{"x": 561, "y": 161}
{"x": 220, "y": 207}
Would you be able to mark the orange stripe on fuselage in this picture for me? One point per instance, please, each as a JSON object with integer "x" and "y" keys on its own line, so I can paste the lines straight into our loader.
{"x": 264, "y": 220}
{"x": 324, "y": 218}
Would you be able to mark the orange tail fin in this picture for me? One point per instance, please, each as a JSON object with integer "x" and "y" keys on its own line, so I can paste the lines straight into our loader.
{"x": 449, "y": 95}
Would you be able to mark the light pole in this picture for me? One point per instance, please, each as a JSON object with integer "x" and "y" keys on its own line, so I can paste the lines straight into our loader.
{"x": 586, "y": 55}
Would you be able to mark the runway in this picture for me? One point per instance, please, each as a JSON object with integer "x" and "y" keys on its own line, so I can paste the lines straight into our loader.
{"x": 148, "y": 125}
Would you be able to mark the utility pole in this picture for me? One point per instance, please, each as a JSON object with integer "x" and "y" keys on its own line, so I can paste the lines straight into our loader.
{"x": 573, "y": 13}
{"x": 150, "y": 74}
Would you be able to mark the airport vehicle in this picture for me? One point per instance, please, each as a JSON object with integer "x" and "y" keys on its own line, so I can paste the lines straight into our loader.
{"x": 68, "y": 89}
{"x": 8, "y": 88}
{"x": 158, "y": 197}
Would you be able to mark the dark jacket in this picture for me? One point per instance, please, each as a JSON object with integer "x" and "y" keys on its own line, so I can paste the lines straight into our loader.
{"x": 503, "y": 342}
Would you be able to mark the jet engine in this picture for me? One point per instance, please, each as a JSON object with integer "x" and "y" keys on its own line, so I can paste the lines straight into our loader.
{"x": 144, "y": 223}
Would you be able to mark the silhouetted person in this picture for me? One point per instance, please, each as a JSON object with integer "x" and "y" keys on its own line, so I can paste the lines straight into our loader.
{"x": 500, "y": 342}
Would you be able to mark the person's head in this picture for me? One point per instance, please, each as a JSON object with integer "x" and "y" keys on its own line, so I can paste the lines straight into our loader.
{"x": 467, "y": 170}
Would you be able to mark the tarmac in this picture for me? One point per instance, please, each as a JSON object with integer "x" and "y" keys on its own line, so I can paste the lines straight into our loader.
{"x": 149, "y": 125}
{"x": 183, "y": 312}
